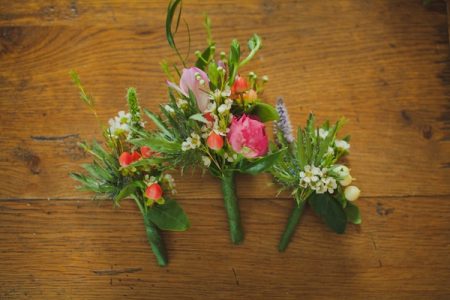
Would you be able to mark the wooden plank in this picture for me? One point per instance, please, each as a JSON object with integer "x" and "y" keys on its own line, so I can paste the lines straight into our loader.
{"x": 372, "y": 62}
{"x": 76, "y": 249}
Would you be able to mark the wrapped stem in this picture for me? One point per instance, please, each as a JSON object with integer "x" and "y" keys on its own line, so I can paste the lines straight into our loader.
{"x": 232, "y": 207}
{"x": 291, "y": 225}
{"x": 154, "y": 238}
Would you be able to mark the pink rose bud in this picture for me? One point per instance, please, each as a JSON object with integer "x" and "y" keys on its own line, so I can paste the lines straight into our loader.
{"x": 135, "y": 156}
{"x": 240, "y": 85}
{"x": 248, "y": 137}
{"x": 215, "y": 141}
{"x": 125, "y": 159}
{"x": 154, "y": 191}
{"x": 146, "y": 152}
{"x": 196, "y": 81}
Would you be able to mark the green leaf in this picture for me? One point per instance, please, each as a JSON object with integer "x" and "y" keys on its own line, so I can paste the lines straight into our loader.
{"x": 233, "y": 60}
{"x": 158, "y": 143}
{"x": 254, "y": 44}
{"x": 352, "y": 213}
{"x": 96, "y": 171}
{"x": 192, "y": 101}
{"x": 309, "y": 135}
{"x": 261, "y": 164}
{"x": 213, "y": 74}
{"x": 152, "y": 161}
{"x": 169, "y": 216}
{"x": 87, "y": 99}
{"x": 127, "y": 190}
{"x": 204, "y": 58}
{"x": 329, "y": 211}
{"x": 301, "y": 152}
{"x": 329, "y": 139}
{"x": 265, "y": 112}
{"x": 158, "y": 122}
{"x": 208, "y": 29}
{"x": 170, "y": 14}
{"x": 199, "y": 117}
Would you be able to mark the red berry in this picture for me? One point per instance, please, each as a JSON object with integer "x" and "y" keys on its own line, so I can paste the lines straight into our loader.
{"x": 146, "y": 152}
{"x": 154, "y": 191}
{"x": 215, "y": 141}
{"x": 240, "y": 85}
{"x": 208, "y": 117}
{"x": 125, "y": 159}
{"x": 135, "y": 156}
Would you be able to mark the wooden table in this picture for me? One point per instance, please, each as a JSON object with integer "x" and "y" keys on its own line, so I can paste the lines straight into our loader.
{"x": 383, "y": 64}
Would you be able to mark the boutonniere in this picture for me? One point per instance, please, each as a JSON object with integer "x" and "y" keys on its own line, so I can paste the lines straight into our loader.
{"x": 311, "y": 171}
{"x": 121, "y": 170}
{"x": 214, "y": 117}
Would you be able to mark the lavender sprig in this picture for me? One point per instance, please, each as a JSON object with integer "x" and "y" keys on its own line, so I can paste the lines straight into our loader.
{"x": 284, "y": 124}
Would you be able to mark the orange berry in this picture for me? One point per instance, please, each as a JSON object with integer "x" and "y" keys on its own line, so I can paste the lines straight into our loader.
{"x": 215, "y": 141}
{"x": 125, "y": 159}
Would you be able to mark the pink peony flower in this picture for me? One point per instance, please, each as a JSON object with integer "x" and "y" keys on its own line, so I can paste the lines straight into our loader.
{"x": 197, "y": 81}
{"x": 248, "y": 137}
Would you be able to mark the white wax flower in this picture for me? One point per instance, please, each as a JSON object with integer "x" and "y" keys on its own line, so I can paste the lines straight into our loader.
{"x": 343, "y": 145}
{"x": 206, "y": 161}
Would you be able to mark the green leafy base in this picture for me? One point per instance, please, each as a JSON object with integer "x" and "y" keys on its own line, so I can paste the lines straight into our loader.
{"x": 156, "y": 242}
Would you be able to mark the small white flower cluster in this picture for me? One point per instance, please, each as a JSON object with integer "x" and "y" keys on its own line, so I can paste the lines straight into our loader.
{"x": 169, "y": 109}
{"x": 182, "y": 103}
{"x": 323, "y": 133}
{"x": 149, "y": 180}
{"x": 230, "y": 158}
{"x": 214, "y": 125}
{"x": 170, "y": 182}
{"x": 317, "y": 179}
{"x": 342, "y": 145}
{"x": 225, "y": 107}
{"x": 206, "y": 161}
{"x": 191, "y": 142}
{"x": 120, "y": 124}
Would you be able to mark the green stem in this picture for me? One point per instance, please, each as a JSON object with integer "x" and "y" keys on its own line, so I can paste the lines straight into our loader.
{"x": 232, "y": 207}
{"x": 154, "y": 238}
{"x": 293, "y": 220}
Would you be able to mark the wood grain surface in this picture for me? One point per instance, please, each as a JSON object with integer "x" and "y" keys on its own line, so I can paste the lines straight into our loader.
{"x": 382, "y": 64}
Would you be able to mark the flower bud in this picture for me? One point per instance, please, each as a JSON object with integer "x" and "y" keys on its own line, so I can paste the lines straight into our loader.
{"x": 146, "y": 152}
{"x": 347, "y": 180}
{"x": 125, "y": 159}
{"x": 154, "y": 191}
{"x": 352, "y": 193}
{"x": 215, "y": 141}
{"x": 240, "y": 85}
{"x": 250, "y": 95}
